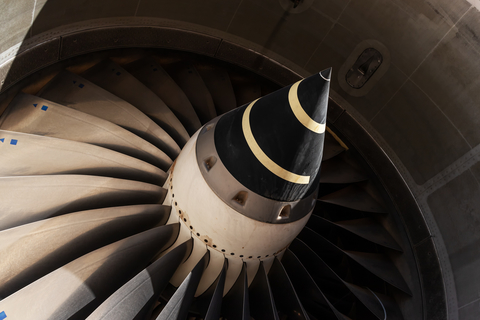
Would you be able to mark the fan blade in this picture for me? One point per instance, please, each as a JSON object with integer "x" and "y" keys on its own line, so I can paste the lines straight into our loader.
{"x": 341, "y": 169}
{"x": 245, "y": 90}
{"x": 262, "y": 304}
{"x": 152, "y": 75}
{"x": 30, "y": 114}
{"x": 331, "y": 147}
{"x": 192, "y": 84}
{"x": 210, "y": 302}
{"x": 85, "y": 282}
{"x": 220, "y": 87}
{"x": 313, "y": 298}
{"x": 368, "y": 229}
{"x": 78, "y": 93}
{"x": 134, "y": 300}
{"x": 45, "y": 155}
{"x": 377, "y": 264}
{"x": 236, "y": 303}
{"x": 178, "y": 305}
{"x": 383, "y": 268}
{"x": 31, "y": 198}
{"x": 31, "y": 251}
{"x": 286, "y": 299}
{"x": 354, "y": 197}
{"x": 118, "y": 81}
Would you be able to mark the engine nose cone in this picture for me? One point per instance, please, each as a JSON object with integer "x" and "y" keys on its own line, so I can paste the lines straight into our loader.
{"x": 278, "y": 139}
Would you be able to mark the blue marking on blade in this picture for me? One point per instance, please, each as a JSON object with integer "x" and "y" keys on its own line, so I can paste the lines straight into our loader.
{"x": 3, "y": 140}
{"x": 2, "y": 315}
{"x": 35, "y": 105}
{"x": 44, "y": 108}
{"x": 118, "y": 73}
{"x": 81, "y": 85}
{"x": 155, "y": 69}
{"x": 14, "y": 142}
{"x": 74, "y": 81}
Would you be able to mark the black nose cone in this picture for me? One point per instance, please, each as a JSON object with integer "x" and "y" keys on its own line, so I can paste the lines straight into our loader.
{"x": 274, "y": 145}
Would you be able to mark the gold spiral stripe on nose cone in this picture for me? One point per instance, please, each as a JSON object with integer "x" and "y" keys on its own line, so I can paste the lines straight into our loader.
{"x": 262, "y": 157}
{"x": 300, "y": 113}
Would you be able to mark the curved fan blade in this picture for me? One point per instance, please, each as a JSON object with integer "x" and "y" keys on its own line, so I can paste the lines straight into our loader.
{"x": 178, "y": 305}
{"x": 377, "y": 264}
{"x": 85, "y": 282}
{"x": 331, "y": 148}
{"x": 118, "y": 81}
{"x": 286, "y": 298}
{"x": 390, "y": 306}
{"x": 366, "y": 228}
{"x": 134, "y": 300}
{"x": 262, "y": 304}
{"x": 210, "y": 302}
{"x": 380, "y": 266}
{"x": 46, "y": 155}
{"x": 31, "y": 251}
{"x": 354, "y": 197}
{"x": 218, "y": 83}
{"x": 341, "y": 170}
{"x": 236, "y": 302}
{"x": 192, "y": 84}
{"x": 78, "y": 93}
{"x": 369, "y": 300}
{"x": 151, "y": 74}
{"x": 321, "y": 272}
{"x": 245, "y": 90}
{"x": 32, "y": 198}
{"x": 310, "y": 294}
{"x": 30, "y": 114}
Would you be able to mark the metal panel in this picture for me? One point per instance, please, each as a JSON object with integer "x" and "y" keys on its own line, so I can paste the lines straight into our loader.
{"x": 137, "y": 36}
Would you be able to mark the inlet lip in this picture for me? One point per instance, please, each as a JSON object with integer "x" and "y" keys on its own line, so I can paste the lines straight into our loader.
{"x": 235, "y": 194}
